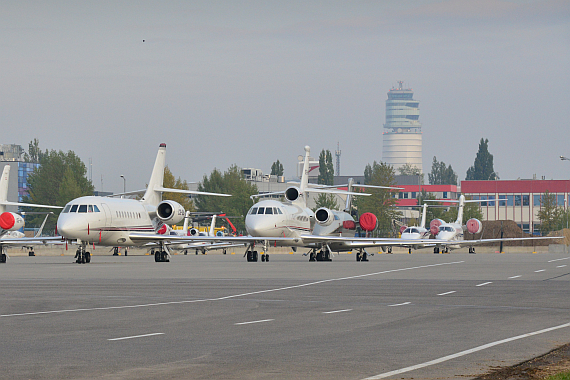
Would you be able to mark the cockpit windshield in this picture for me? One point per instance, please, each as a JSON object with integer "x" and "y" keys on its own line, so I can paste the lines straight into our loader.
{"x": 81, "y": 208}
{"x": 446, "y": 229}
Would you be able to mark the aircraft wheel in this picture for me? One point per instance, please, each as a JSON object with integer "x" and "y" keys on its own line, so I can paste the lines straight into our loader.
{"x": 364, "y": 256}
{"x": 2, "y": 258}
{"x": 436, "y": 250}
{"x": 320, "y": 256}
{"x": 165, "y": 257}
{"x": 357, "y": 256}
{"x": 409, "y": 251}
{"x": 197, "y": 251}
{"x": 157, "y": 256}
{"x": 254, "y": 256}
{"x": 262, "y": 257}
{"x": 185, "y": 251}
{"x": 312, "y": 256}
{"x": 224, "y": 252}
{"x": 389, "y": 249}
{"x": 87, "y": 257}
{"x": 266, "y": 257}
{"x": 249, "y": 255}
{"x": 31, "y": 253}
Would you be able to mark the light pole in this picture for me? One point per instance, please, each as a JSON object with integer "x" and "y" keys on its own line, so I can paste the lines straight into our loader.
{"x": 124, "y": 185}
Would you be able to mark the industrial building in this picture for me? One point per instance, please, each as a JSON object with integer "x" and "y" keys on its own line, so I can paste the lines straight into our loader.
{"x": 402, "y": 137}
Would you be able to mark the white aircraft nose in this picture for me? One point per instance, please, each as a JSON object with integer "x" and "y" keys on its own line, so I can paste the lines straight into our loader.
{"x": 260, "y": 225}
{"x": 68, "y": 227}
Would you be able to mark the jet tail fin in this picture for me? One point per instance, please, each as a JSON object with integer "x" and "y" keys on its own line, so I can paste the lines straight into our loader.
{"x": 4, "y": 188}
{"x": 152, "y": 196}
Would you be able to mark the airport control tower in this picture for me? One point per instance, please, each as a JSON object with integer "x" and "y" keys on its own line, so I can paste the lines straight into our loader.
{"x": 402, "y": 131}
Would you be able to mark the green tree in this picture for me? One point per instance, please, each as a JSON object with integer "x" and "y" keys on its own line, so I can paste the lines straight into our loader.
{"x": 326, "y": 168}
{"x": 59, "y": 179}
{"x": 277, "y": 168}
{"x": 482, "y": 168}
{"x": 326, "y": 200}
{"x": 440, "y": 174}
{"x": 367, "y": 174}
{"x": 550, "y": 214}
{"x": 172, "y": 183}
{"x": 34, "y": 153}
{"x": 229, "y": 182}
{"x": 435, "y": 210}
{"x": 382, "y": 201}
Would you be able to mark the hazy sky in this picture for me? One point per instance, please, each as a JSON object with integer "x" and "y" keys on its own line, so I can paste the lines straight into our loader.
{"x": 250, "y": 82}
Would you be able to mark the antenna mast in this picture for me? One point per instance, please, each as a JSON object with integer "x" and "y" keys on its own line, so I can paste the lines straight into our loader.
{"x": 337, "y": 154}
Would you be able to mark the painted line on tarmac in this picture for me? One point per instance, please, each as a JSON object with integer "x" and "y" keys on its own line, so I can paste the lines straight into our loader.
{"x": 446, "y": 293}
{"x": 540, "y": 270}
{"x": 485, "y": 283}
{"x": 564, "y": 258}
{"x": 336, "y": 311}
{"x": 227, "y": 297}
{"x": 136, "y": 336}
{"x": 510, "y": 278}
{"x": 401, "y": 304}
{"x": 250, "y": 322}
{"x": 466, "y": 352}
{"x": 560, "y": 266}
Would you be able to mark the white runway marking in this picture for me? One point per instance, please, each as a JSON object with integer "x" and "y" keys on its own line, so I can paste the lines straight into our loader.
{"x": 226, "y": 297}
{"x": 401, "y": 304}
{"x": 336, "y": 311}
{"x": 485, "y": 283}
{"x": 446, "y": 293}
{"x": 248, "y": 323}
{"x": 136, "y": 336}
{"x": 560, "y": 266}
{"x": 515, "y": 277}
{"x": 540, "y": 270}
{"x": 463, "y": 353}
{"x": 564, "y": 258}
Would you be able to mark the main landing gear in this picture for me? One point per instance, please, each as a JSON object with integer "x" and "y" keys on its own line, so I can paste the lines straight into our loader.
{"x": 443, "y": 250}
{"x": 361, "y": 255}
{"x": 161, "y": 256}
{"x": 3, "y": 255}
{"x": 252, "y": 255}
{"x": 324, "y": 254}
{"x": 82, "y": 256}
{"x": 471, "y": 249}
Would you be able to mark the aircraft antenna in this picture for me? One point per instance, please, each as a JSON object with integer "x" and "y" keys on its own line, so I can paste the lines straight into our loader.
{"x": 337, "y": 154}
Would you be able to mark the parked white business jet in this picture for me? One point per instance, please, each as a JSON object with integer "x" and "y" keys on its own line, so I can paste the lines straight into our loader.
{"x": 11, "y": 222}
{"x": 109, "y": 221}
{"x": 292, "y": 224}
{"x": 414, "y": 233}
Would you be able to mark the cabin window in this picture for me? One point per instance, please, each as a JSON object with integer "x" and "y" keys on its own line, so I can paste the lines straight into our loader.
{"x": 95, "y": 208}
{"x": 66, "y": 209}
{"x": 73, "y": 208}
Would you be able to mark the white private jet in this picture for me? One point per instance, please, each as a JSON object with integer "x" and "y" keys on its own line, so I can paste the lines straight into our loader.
{"x": 11, "y": 222}
{"x": 452, "y": 233}
{"x": 109, "y": 221}
{"x": 414, "y": 233}
{"x": 292, "y": 224}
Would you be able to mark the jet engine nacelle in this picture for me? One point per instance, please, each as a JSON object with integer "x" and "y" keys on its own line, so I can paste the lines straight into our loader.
{"x": 324, "y": 216}
{"x": 368, "y": 221}
{"x": 170, "y": 212}
{"x": 474, "y": 226}
{"x": 10, "y": 221}
{"x": 434, "y": 226}
{"x": 292, "y": 193}
{"x": 193, "y": 232}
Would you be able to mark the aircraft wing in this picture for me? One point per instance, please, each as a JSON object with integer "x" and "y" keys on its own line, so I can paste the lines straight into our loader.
{"x": 26, "y": 241}
{"x": 170, "y": 239}
{"x": 7, "y": 203}
{"x": 468, "y": 243}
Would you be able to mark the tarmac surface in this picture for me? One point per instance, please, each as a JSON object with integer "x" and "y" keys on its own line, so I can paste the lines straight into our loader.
{"x": 419, "y": 316}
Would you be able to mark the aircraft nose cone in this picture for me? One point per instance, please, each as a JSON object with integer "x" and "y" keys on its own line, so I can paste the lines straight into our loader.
{"x": 66, "y": 228}
{"x": 256, "y": 226}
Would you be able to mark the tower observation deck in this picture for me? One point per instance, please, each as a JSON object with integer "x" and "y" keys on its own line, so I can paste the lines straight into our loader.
{"x": 402, "y": 137}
